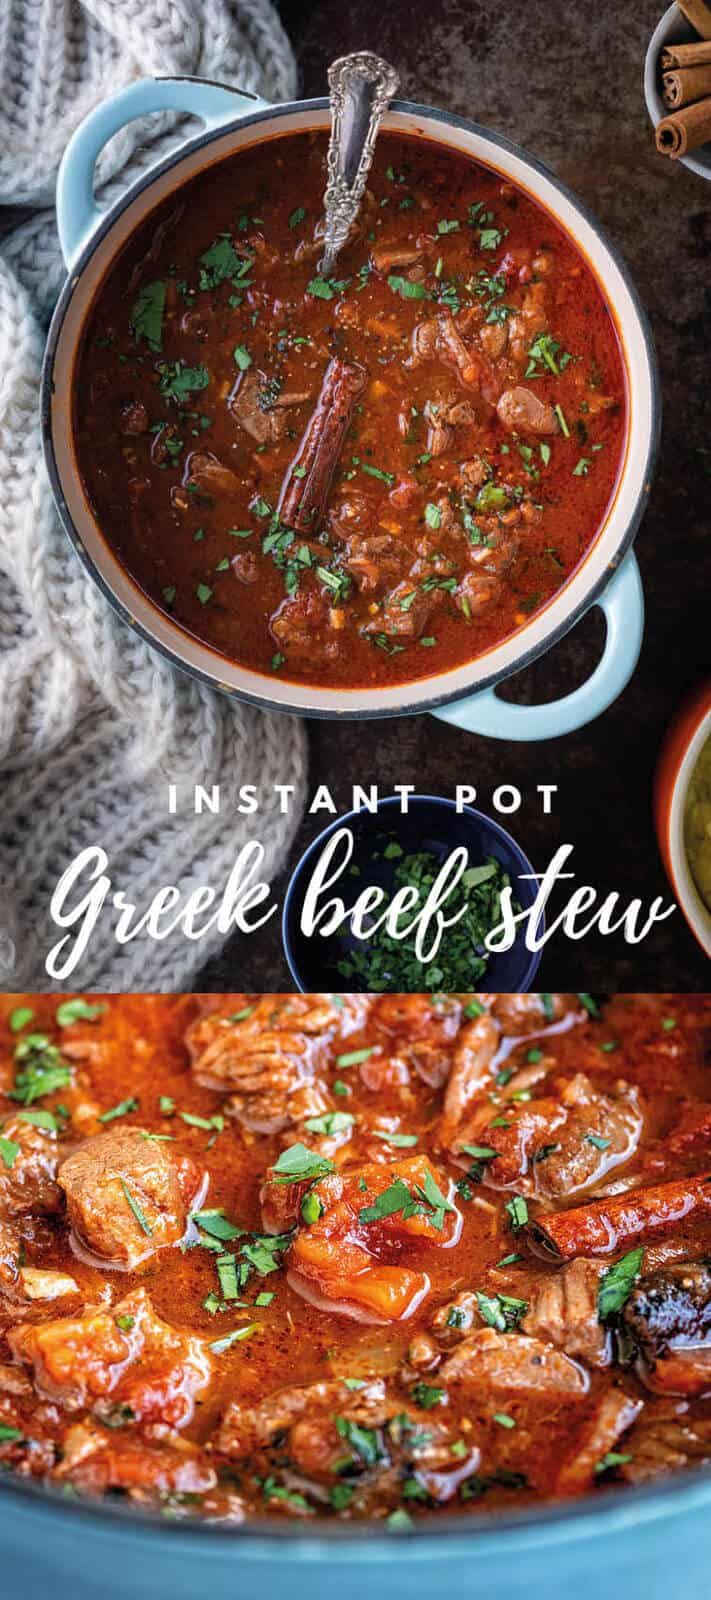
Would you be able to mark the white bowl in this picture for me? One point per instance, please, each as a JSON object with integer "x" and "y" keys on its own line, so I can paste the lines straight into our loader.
{"x": 672, "y": 29}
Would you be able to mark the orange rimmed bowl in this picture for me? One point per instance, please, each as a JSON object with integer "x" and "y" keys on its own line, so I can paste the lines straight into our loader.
{"x": 680, "y": 752}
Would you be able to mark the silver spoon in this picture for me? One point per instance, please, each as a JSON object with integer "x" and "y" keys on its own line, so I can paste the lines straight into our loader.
{"x": 362, "y": 86}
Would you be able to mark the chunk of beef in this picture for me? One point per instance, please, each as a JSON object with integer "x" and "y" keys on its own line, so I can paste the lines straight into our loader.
{"x": 494, "y": 337}
{"x": 600, "y": 1131}
{"x": 10, "y": 1257}
{"x": 444, "y": 416}
{"x": 122, "y": 1362}
{"x": 499, "y": 552}
{"x": 660, "y": 1444}
{"x": 246, "y": 1429}
{"x": 365, "y": 1437}
{"x": 272, "y": 1062}
{"x": 28, "y": 1181}
{"x": 477, "y": 592}
{"x": 613, "y": 1413}
{"x": 128, "y": 1195}
{"x": 262, "y": 409}
{"x": 473, "y": 474}
{"x": 424, "y": 1029}
{"x": 405, "y": 613}
{"x": 245, "y": 566}
{"x": 522, "y": 411}
{"x": 298, "y": 621}
{"x": 470, "y": 1075}
{"x": 529, "y": 320}
{"x": 520, "y": 1014}
{"x": 99, "y": 1461}
{"x": 514, "y": 1363}
{"x": 452, "y": 1323}
{"x": 372, "y": 560}
{"x": 40, "y": 1285}
{"x": 311, "y": 247}
{"x": 387, "y": 256}
{"x": 438, "y": 339}
{"x": 563, "y": 1310}
{"x": 133, "y": 418}
{"x": 206, "y": 473}
{"x": 563, "y": 1142}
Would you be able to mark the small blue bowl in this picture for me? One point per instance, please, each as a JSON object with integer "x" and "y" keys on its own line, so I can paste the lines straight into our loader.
{"x": 429, "y": 824}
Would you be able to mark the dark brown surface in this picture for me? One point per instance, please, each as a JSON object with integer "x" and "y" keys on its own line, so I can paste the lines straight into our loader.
{"x": 535, "y": 73}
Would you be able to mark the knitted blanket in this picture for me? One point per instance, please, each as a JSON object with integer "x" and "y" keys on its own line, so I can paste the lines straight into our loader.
{"x": 93, "y": 723}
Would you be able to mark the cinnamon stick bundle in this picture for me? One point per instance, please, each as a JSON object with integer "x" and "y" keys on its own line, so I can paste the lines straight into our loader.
{"x": 698, "y": 14}
{"x": 687, "y": 84}
{"x": 607, "y": 1225}
{"x": 684, "y": 130}
{"x": 305, "y": 490}
{"x": 697, "y": 54}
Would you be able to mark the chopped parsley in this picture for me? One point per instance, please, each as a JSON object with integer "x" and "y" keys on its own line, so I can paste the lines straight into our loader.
{"x": 546, "y": 352}
{"x": 427, "y": 1395}
{"x": 146, "y": 317}
{"x": 331, "y": 1122}
{"x": 178, "y": 381}
{"x": 121, "y": 1110}
{"x": 299, "y": 1165}
{"x": 138, "y": 1213}
{"x": 221, "y": 263}
{"x": 78, "y": 1011}
{"x": 353, "y": 1058}
{"x": 20, "y": 1018}
{"x": 9, "y": 1151}
{"x": 517, "y": 1210}
{"x": 40, "y": 1069}
{"x": 404, "y": 287}
{"x": 237, "y": 1334}
{"x": 501, "y": 1311}
{"x": 326, "y": 288}
{"x": 617, "y": 1284}
{"x": 387, "y": 963}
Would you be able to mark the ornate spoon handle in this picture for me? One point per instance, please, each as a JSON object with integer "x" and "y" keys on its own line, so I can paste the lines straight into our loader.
{"x": 362, "y": 86}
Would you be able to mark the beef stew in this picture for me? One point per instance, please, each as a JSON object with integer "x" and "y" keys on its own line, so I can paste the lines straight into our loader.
{"x": 363, "y": 480}
{"x": 353, "y": 1257}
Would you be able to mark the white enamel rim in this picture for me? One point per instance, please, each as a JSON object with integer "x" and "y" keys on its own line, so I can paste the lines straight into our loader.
{"x": 279, "y": 693}
{"x": 697, "y": 914}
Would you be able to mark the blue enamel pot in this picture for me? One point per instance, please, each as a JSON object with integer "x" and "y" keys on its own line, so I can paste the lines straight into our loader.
{"x": 643, "y": 1544}
{"x": 465, "y": 696}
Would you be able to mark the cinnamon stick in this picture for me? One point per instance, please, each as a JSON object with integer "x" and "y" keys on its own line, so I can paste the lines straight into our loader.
{"x": 608, "y": 1225}
{"x": 684, "y": 130}
{"x": 698, "y": 14}
{"x": 687, "y": 84}
{"x": 305, "y": 490}
{"x": 697, "y": 54}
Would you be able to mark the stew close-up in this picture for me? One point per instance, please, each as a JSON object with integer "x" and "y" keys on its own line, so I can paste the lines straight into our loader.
{"x": 360, "y": 479}
{"x": 354, "y": 1257}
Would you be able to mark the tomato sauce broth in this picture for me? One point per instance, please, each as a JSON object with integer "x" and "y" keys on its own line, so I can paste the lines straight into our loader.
{"x": 461, "y": 480}
{"x": 425, "y": 1321}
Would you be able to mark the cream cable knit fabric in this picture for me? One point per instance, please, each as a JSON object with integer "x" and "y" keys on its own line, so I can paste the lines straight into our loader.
{"x": 93, "y": 724}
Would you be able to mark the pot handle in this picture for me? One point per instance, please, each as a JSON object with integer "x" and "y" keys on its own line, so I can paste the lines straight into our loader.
{"x": 77, "y": 211}
{"x": 622, "y": 605}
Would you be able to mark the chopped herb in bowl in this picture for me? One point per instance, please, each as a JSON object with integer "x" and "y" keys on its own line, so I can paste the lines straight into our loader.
{"x": 387, "y": 962}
